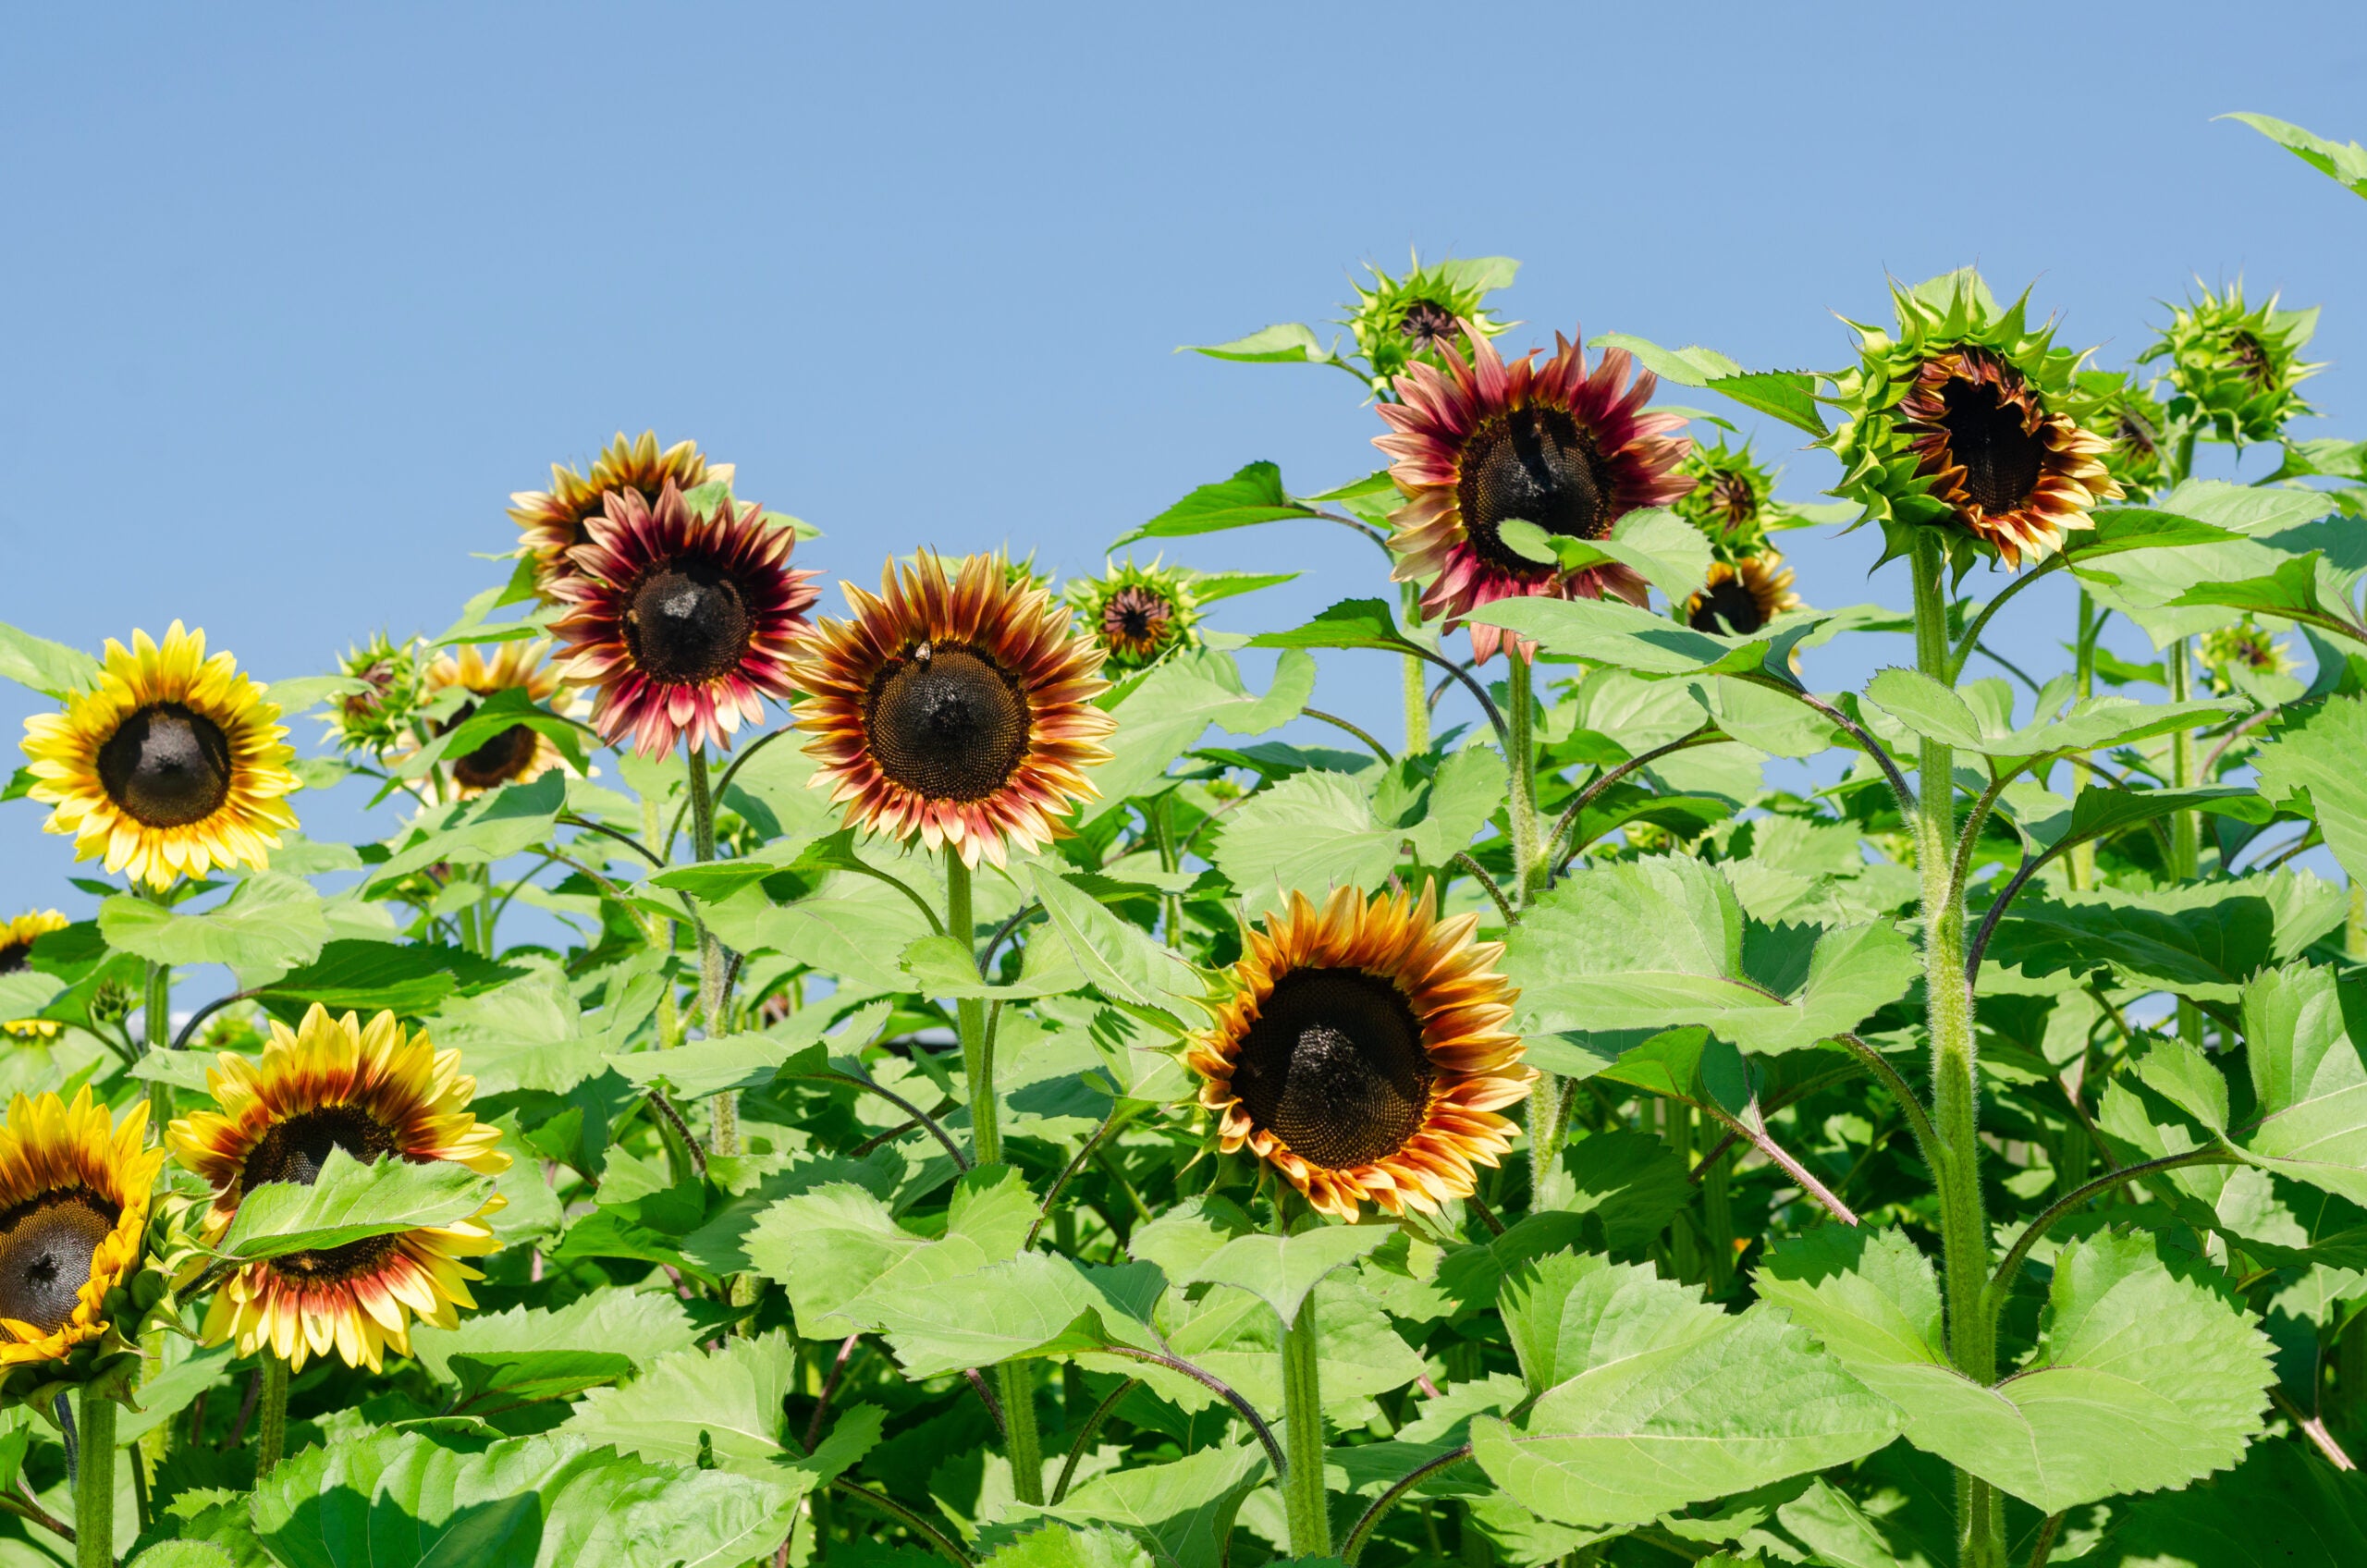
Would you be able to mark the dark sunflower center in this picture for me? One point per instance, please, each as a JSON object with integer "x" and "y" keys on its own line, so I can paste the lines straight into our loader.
{"x": 1335, "y": 1067}
{"x": 1728, "y": 609}
{"x": 947, "y": 723}
{"x": 167, "y": 766}
{"x": 1136, "y": 619}
{"x": 506, "y": 756}
{"x": 2000, "y": 459}
{"x": 45, "y": 1248}
{"x": 1732, "y": 498}
{"x": 327, "y": 1265}
{"x": 294, "y": 1150}
{"x": 14, "y": 956}
{"x": 2251, "y": 360}
{"x": 1533, "y": 463}
{"x": 1427, "y": 324}
{"x": 686, "y": 623}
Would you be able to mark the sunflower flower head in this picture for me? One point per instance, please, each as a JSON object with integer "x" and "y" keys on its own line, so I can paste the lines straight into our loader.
{"x": 1731, "y": 500}
{"x": 955, "y": 706}
{"x": 1483, "y": 442}
{"x": 2137, "y": 425}
{"x": 17, "y": 938}
{"x": 2235, "y": 367}
{"x": 376, "y": 719}
{"x": 1137, "y": 614}
{"x": 2234, "y": 656}
{"x": 552, "y": 523}
{"x": 1964, "y": 418}
{"x": 75, "y": 1188}
{"x": 518, "y": 754}
{"x": 683, "y": 620}
{"x": 1417, "y": 318}
{"x": 170, "y": 765}
{"x": 1742, "y": 595}
{"x": 375, "y": 1092}
{"x": 1364, "y": 1052}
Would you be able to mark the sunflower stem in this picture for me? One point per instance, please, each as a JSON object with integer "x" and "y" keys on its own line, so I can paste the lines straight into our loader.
{"x": 1964, "y": 1234}
{"x": 1417, "y": 707}
{"x": 271, "y": 1436}
{"x": 2082, "y": 863}
{"x": 1530, "y": 868}
{"x": 1306, "y": 1509}
{"x": 724, "y": 1135}
{"x": 94, "y": 1483}
{"x": 2186, "y": 836}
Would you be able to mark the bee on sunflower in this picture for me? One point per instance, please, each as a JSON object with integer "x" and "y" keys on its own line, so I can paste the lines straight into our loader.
{"x": 170, "y": 765}
{"x": 1137, "y": 614}
{"x": 955, "y": 706}
{"x": 1363, "y": 1052}
{"x": 17, "y": 938}
{"x": 1482, "y": 441}
{"x": 520, "y": 754}
{"x": 75, "y": 1190}
{"x": 2235, "y": 367}
{"x": 373, "y": 1091}
{"x": 1963, "y": 418}
{"x": 552, "y": 522}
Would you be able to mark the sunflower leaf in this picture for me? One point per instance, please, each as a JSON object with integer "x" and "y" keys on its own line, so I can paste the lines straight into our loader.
{"x": 1606, "y": 631}
{"x": 2202, "y": 941}
{"x": 726, "y": 1407}
{"x": 495, "y": 825}
{"x": 1182, "y": 1512}
{"x": 2312, "y": 766}
{"x": 350, "y": 1202}
{"x": 271, "y": 923}
{"x": 1289, "y": 342}
{"x": 1252, "y": 496}
{"x": 1653, "y": 542}
{"x": 642, "y": 1324}
{"x": 1280, "y": 1270}
{"x": 2343, "y": 162}
{"x": 1938, "y": 711}
{"x": 2309, "y": 1081}
{"x": 51, "y": 669}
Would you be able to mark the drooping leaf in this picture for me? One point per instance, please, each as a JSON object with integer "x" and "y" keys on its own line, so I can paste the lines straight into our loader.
{"x": 410, "y": 978}
{"x": 350, "y": 1201}
{"x": 2202, "y": 941}
{"x": 1610, "y": 633}
{"x": 2281, "y": 1508}
{"x": 1288, "y": 342}
{"x": 644, "y": 1325}
{"x": 494, "y": 826}
{"x": 1936, "y": 712}
{"x": 51, "y": 669}
{"x": 831, "y": 1245}
{"x": 272, "y": 923}
{"x": 2343, "y": 162}
{"x": 726, "y": 1404}
{"x": 2309, "y": 1083}
{"x": 531, "y": 1033}
{"x": 1654, "y": 543}
{"x": 1180, "y": 1511}
{"x": 1167, "y": 714}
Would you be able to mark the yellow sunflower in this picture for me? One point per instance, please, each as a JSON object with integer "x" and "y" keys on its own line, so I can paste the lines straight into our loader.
{"x": 958, "y": 707}
{"x": 1363, "y": 1052}
{"x": 16, "y": 948}
{"x": 74, "y": 1194}
{"x": 373, "y": 1091}
{"x": 1739, "y": 599}
{"x": 520, "y": 754}
{"x": 170, "y": 766}
{"x": 551, "y": 523}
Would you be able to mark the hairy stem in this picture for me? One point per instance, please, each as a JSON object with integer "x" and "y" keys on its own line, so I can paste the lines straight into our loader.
{"x": 271, "y": 1437}
{"x": 1086, "y": 1433}
{"x": 1355, "y": 1545}
{"x": 1305, "y": 1504}
{"x": 94, "y": 1484}
{"x": 1418, "y": 707}
{"x": 724, "y": 1133}
{"x": 2185, "y": 827}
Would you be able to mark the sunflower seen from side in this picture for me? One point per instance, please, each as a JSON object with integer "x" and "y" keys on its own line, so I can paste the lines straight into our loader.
{"x": 373, "y": 1091}
{"x": 17, "y": 939}
{"x": 955, "y": 708}
{"x": 1742, "y": 596}
{"x": 75, "y": 1190}
{"x": 170, "y": 765}
{"x": 518, "y": 754}
{"x": 1477, "y": 442}
{"x": 684, "y": 622}
{"x": 552, "y": 523}
{"x": 1363, "y": 1052}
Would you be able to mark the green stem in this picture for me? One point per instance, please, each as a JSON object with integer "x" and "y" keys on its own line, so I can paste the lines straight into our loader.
{"x": 94, "y": 1483}
{"x": 1304, "y": 1503}
{"x": 1520, "y": 771}
{"x": 723, "y": 1137}
{"x": 158, "y": 996}
{"x": 271, "y": 1437}
{"x": 1684, "y": 1246}
{"x": 1171, "y": 904}
{"x": 1015, "y": 1385}
{"x": 2082, "y": 863}
{"x": 1417, "y": 707}
{"x": 2185, "y": 827}
{"x": 1956, "y": 1117}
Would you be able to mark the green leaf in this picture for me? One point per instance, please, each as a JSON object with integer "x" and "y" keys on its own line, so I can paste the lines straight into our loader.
{"x": 1789, "y": 395}
{"x": 2273, "y": 525}
{"x": 2313, "y": 765}
{"x": 1209, "y": 586}
{"x": 1659, "y": 942}
{"x": 1662, "y": 1400}
{"x": 689, "y": 1404}
{"x": 492, "y": 1384}
{"x": 164, "y": 1393}
{"x": 1058, "y": 1546}
{"x": 2202, "y": 941}
{"x": 531, "y": 1033}
{"x": 270, "y": 922}
{"x": 491, "y": 827}
{"x": 1310, "y": 833}
{"x": 832, "y": 1245}
{"x": 1253, "y": 495}
{"x": 491, "y": 719}
{"x": 644, "y": 1324}
{"x": 1653, "y": 542}
{"x": 2281, "y": 1508}
{"x": 350, "y": 1202}
{"x": 1030, "y": 1306}
{"x": 1118, "y": 959}
{"x": 51, "y": 669}
{"x": 1287, "y": 342}
{"x": 1351, "y": 623}
{"x": 1171, "y": 709}
{"x": 1607, "y": 632}
{"x": 1280, "y": 1270}
{"x": 699, "y": 1067}
{"x": 2140, "y": 1379}
{"x": 2308, "y": 1083}
{"x": 852, "y": 925}
{"x": 2120, "y": 529}
{"x": 1181, "y": 1512}
{"x": 2343, "y": 162}
{"x": 1939, "y": 712}
{"x": 2047, "y": 821}
{"x": 355, "y": 976}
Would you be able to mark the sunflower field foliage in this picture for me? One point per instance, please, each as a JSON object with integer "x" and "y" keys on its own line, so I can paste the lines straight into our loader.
{"x": 881, "y": 1075}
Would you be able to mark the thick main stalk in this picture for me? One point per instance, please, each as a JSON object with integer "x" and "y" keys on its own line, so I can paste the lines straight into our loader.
{"x": 725, "y": 1136}
{"x": 94, "y": 1482}
{"x": 1305, "y": 1506}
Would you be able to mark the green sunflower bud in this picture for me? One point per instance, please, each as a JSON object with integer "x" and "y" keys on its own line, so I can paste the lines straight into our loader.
{"x": 376, "y": 718}
{"x": 2235, "y": 659}
{"x": 2137, "y": 425}
{"x": 2235, "y": 367}
{"x": 1139, "y": 614}
{"x": 1399, "y": 320}
{"x": 1733, "y": 500}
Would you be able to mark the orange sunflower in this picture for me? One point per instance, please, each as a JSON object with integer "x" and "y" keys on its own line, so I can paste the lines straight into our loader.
{"x": 1740, "y": 597}
{"x": 1363, "y": 1052}
{"x": 684, "y": 623}
{"x": 551, "y": 523}
{"x": 373, "y": 1091}
{"x": 956, "y": 707}
{"x": 17, "y": 939}
{"x": 2018, "y": 477}
{"x": 520, "y": 754}
{"x": 1479, "y": 442}
{"x": 74, "y": 1195}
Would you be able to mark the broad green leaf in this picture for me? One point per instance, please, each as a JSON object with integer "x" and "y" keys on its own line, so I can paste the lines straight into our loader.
{"x": 2202, "y": 941}
{"x": 1234, "y": 1336}
{"x": 410, "y": 978}
{"x": 1253, "y": 495}
{"x": 1609, "y": 632}
{"x": 531, "y": 1033}
{"x": 492, "y": 1384}
{"x": 1116, "y": 958}
{"x": 2047, "y": 821}
{"x": 164, "y": 1393}
{"x": 2271, "y": 525}
{"x": 1939, "y": 712}
{"x": 1180, "y": 1511}
{"x": 1058, "y": 1546}
{"x": 832, "y": 1245}
{"x": 1280, "y": 1270}
{"x": 2120, "y": 529}
{"x": 2140, "y": 1379}
{"x": 489, "y": 719}
{"x": 2308, "y": 1083}
{"x": 1789, "y": 395}
{"x": 1287, "y": 342}
{"x": 1030, "y": 1306}
{"x": 1664, "y": 1399}
{"x": 2305, "y": 588}
{"x": 2281, "y": 1508}
{"x": 1351, "y": 623}
{"x": 269, "y": 924}
{"x": 349, "y": 1201}
{"x": 25, "y": 992}
{"x": 2313, "y": 765}
{"x": 1310, "y": 833}
{"x": 1209, "y": 586}
{"x": 2343, "y": 162}
{"x": 51, "y": 669}
{"x": 1656, "y": 943}
{"x": 644, "y": 1325}
{"x": 1167, "y": 714}
{"x": 699, "y": 1067}
{"x": 491, "y": 827}
{"x": 727, "y": 1405}
{"x": 1653, "y": 542}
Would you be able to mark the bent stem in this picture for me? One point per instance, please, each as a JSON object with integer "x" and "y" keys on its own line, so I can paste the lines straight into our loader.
{"x": 1305, "y": 1505}
{"x": 723, "y": 1137}
{"x": 271, "y": 1437}
{"x": 94, "y": 1483}
{"x": 1980, "y": 1535}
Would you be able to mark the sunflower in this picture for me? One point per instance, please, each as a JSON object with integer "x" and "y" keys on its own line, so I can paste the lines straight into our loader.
{"x": 1398, "y": 321}
{"x": 957, "y": 707}
{"x": 373, "y": 1091}
{"x": 17, "y": 938}
{"x": 1139, "y": 614}
{"x": 1481, "y": 442}
{"x": 2229, "y": 654}
{"x": 1740, "y": 599}
{"x": 170, "y": 765}
{"x": 682, "y": 622}
{"x": 376, "y": 719}
{"x": 1363, "y": 1052}
{"x": 74, "y": 1193}
{"x": 2234, "y": 366}
{"x": 520, "y": 754}
{"x": 552, "y": 523}
{"x": 1962, "y": 420}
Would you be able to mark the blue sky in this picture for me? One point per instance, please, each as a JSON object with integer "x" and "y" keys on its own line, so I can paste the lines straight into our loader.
{"x": 295, "y": 297}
